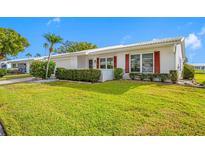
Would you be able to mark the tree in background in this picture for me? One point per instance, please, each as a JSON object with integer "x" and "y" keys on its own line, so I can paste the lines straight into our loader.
{"x": 38, "y": 55}
{"x": 28, "y": 55}
{"x": 70, "y": 46}
{"x": 45, "y": 45}
{"x": 11, "y": 43}
{"x": 52, "y": 39}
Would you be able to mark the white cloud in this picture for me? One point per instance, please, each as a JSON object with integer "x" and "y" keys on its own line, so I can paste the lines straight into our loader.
{"x": 54, "y": 20}
{"x": 155, "y": 39}
{"x": 125, "y": 39}
{"x": 202, "y": 32}
{"x": 193, "y": 42}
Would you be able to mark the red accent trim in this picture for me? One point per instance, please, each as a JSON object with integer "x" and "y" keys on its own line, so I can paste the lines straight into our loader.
{"x": 50, "y": 49}
{"x": 157, "y": 62}
{"x": 115, "y": 61}
{"x": 97, "y": 62}
{"x": 127, "y": 63}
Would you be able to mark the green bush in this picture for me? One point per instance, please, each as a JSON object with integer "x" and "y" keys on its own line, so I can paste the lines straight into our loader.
{"x": 38, "y": 69}
{"x": 89, "y": 75}
{"x": 13, "y": 71}
{"x": 118, "y": 73}
{"x": 163, "y": 77}
{"x": 135, "y": 76}
{"x": 3, "y": 72}
{"x": 150, "y": 77}
{"x": 173, "y": 75}
{"x": 132, "y": 76}
{"x": 141, "y": 76}
{"x": 188, "y": 72}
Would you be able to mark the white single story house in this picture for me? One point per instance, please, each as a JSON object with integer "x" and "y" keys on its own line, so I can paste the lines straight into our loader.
{"x": 158, "y": 56}
{"x": 22, "y": 65}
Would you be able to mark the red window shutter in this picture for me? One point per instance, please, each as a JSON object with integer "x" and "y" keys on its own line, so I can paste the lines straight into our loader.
{"x": 157, "y": 62}
{"x": 97, "y": 62}
{"x": 115, "y": 61}
{"x": 127, "y": 63}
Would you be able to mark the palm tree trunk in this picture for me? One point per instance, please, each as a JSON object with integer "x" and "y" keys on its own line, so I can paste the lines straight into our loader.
{"x": 47, "y": 67}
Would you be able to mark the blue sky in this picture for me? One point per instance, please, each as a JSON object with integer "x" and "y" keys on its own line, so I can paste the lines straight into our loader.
{"x": 111, "y": 31}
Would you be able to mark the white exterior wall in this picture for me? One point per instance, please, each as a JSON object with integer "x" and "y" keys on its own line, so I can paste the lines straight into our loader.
{"x": 167, "y": 59}
{"x": 66, "y": 62}
{"x": 179, "y": 59}
{"x": 82, "y": 62}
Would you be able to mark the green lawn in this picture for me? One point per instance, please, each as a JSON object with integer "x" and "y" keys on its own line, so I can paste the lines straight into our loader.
{"x": 110, "y": 108}
{"x": 200, "y": 78}
{"x": 15, "y": 76}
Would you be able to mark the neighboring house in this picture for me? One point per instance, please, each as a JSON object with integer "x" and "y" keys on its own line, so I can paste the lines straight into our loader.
{"x": 22, "y": 65}
{"x": 159, "y": 56}
{"x": 199, "y": 66}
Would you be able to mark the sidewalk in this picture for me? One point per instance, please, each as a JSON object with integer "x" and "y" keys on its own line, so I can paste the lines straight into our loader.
{"x": 12, "y": 81}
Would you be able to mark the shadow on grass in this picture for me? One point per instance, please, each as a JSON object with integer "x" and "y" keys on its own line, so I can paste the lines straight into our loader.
{"x": 109, "y": 87}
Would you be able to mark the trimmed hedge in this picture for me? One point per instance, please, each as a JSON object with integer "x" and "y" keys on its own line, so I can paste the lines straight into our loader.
{"x": 38, "y": 69}
{"x": 89, "y": 75}
{"x": 3, "y": 72}
{"x": 188, "y": 72}
{"x": 16, "y": 71}
{"x": 141, "y": 76}
{"x": 118, "y": 73}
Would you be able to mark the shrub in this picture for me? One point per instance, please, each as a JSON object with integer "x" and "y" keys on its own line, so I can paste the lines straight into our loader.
{"x": 151, "y": 77}
{"x": 132, "y": 76}
{"x": 3, "y": 72}
{"x": 38, "y": 69}
{"x": 16, "y": 71}
{"x": 188, "y": 72}
{"x": 118, "y": 73}
{"x": 89, "y": 75}
{"x": 173, "y": 75}
{"x": 142, "y": 76}
{"x": 163, "y": 77}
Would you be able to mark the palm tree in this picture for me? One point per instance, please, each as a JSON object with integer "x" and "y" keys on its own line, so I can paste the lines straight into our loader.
{"x": 52, "y": 39}
{"x": 45, "y": 45}
{"x": 28, "y": 55}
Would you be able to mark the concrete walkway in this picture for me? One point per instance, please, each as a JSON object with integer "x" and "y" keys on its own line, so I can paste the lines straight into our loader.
{"x": 12, "y": 81}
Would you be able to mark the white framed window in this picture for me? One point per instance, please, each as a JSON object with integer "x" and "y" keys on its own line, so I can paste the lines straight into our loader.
{"x": 106, "y": 63}
{"x": 142, "y": 63}
{"x": 102, "y": 63}
{"x": 135, "y": 63}
{"x": 147, "y": 63}
{"x": 110, "y": 63}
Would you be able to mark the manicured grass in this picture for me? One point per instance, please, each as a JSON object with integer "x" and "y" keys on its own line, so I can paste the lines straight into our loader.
{"x": 200, "y": 78}
{"x": 15, "y": 76}
{"x": 110, "y": 108}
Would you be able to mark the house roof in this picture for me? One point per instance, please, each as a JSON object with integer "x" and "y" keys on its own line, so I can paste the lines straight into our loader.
{"x": 24, "y": 59}
{"x": 146, "y": 44}
{"x": 116, "y": 48}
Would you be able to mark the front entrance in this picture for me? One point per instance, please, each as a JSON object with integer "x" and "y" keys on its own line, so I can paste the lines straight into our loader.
{"x": 22, "y": 67}
{"x": 90, "y": 64}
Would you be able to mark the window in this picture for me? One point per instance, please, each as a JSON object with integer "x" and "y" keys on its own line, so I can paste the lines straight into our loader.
{"x": 90, "y": 63}
{"x": 109, "y": 63}
{"x": 147, "y": 63}
{"x": 102, "y": 63}
{"x": 135, "y": 63}
{"x": 14, "y": 65}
